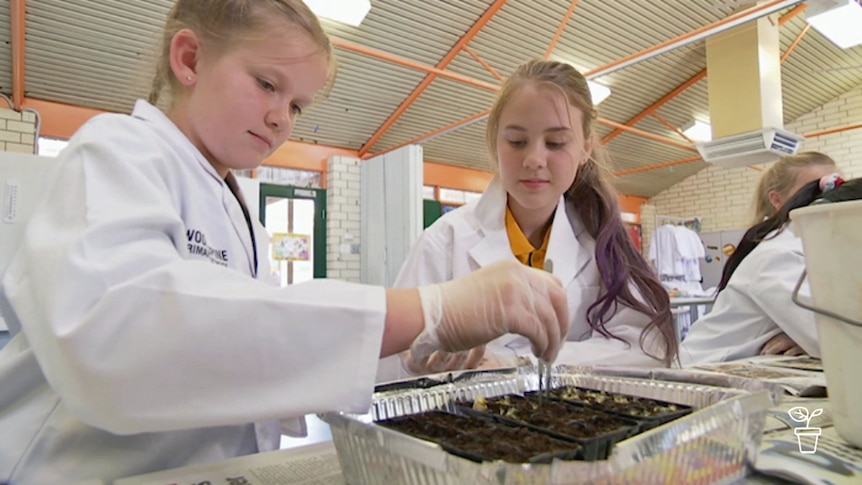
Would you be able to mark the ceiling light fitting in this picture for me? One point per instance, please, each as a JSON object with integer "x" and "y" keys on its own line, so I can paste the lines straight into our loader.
{"x": 350, "y": 12}
{"x": 599, "y": 92}
{"x": 697, "y": 130}
{"x": 837, "y": 20}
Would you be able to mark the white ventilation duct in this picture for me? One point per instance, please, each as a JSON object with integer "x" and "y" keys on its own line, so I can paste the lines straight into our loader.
{"x": 749, "y": 148}
{"x": 745, "y": 105}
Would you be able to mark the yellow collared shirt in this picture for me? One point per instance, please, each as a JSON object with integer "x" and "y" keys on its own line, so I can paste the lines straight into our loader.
{"x": 521, "y": 247}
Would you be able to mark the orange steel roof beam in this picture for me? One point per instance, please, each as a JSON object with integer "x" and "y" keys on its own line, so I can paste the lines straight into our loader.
{"x": 646, "y": 134}
{"x": 412, "y": 64}
{"x": 600, "y": 71}
{"x": 671, "y": 126}
{"x": 551, "y": 46}
{"x": 484, "y": 64}
{"x": 830, "y": 131}
{"x": 693, "y": 80}
{"x": 793, "y": 12}
{"x": 793, "y": 44}
{"x": 663, "y": 46}
{"x": 481, "y": 84}
{"x": 447, "y": 59}
{"x": 481, "y": 115}
{"x": 697, "y": 77}
{"x": 560, "y": 29}
{"x": 670, "y": 44}
{"x": 658, "y": 165}
{"x": 658, "y": 104}
{"x": 18, "y": 24}
{"x": 434, "y": 133}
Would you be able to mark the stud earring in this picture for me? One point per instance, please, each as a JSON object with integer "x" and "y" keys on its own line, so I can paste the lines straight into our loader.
{"x": 188, "y": 78}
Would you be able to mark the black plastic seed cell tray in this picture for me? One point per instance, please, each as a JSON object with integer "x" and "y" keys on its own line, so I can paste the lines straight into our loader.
{"x": 650, "y": 413}
{"x": 480, "y": 439}
{"x": 594, "y": 430}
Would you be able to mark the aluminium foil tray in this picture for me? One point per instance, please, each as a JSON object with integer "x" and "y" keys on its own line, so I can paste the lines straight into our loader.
{"x": 714, "y": 444}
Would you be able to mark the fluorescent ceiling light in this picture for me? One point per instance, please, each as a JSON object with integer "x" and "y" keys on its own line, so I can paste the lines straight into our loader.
{"x": 697, "y": 130}
{"x": 838, "y": 20}
{"x": 350, "y": 12}
{"x": 598, "y": 92}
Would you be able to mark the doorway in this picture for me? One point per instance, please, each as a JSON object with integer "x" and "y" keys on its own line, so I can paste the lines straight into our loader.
{"x": 295, "y": 218}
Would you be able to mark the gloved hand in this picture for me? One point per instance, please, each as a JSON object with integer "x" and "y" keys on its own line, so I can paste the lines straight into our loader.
{"x": 442, "y": 361}
{"x": 506, "y": 297}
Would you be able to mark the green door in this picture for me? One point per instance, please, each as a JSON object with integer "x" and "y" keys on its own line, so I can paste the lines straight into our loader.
{"x": 431, "y": 211}
{"x": 295, "y": 218}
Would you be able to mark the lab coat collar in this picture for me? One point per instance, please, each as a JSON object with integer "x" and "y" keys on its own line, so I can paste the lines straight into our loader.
{"x": 490, "y": 213}
{"x": 570, "y": 247}
{"x": 232, "y": 206}
{"x": 147, "y": 112}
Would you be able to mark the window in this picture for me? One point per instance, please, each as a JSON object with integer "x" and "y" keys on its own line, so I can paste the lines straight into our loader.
{"x": 457, "y": 196}
{"x": 50, "y": 147}
{"x": 289, "y": 176}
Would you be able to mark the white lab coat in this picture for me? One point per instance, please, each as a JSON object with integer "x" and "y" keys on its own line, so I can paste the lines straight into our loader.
{"x": 474, "y": 236}
{"x": 145, "y": 341}
{"x": 755, "y": 306}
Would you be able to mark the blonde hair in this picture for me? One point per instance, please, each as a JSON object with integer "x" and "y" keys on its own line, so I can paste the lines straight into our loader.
{"x": 220, "y": 23}
{"x": 780, "y": 177}
{"x": 558, "y": 75}
{"x": 621, "y": 266}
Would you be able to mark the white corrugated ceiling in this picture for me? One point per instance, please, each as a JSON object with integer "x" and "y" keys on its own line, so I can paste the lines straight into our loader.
{"x": 97, "y": 53}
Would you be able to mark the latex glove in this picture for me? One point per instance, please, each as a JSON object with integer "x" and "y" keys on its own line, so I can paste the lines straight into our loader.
{"x": 781, "y": 344}
{"x": 506, "y": 297}
{"x": 441, "y": 361}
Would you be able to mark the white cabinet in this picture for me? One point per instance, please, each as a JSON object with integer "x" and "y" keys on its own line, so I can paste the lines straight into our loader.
{"x": 714, "y": 244}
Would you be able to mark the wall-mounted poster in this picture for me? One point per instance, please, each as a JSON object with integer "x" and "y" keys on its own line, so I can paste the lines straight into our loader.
{"x": 287, "y": 246}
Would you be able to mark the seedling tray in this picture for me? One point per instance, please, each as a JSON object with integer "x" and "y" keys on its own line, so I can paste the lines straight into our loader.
{"x": 594, "y": 430}
{"x": 481, "y": 439}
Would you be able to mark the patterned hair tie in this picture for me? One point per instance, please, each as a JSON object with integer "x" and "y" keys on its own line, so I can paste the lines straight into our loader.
{"x": 829, "y": 182}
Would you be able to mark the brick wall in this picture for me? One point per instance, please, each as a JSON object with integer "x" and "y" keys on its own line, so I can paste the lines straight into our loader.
{"x": 722, "y": 196}
{"x": 845, "y": 147}
{"x": 17, "y": 131}
{"x": 343, "y": 221}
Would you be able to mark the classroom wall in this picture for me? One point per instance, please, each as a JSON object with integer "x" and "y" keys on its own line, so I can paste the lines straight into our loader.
{"x": 722, "y": 196}
{"x": 343, "y": 218}
{"x": 17, "y": 131}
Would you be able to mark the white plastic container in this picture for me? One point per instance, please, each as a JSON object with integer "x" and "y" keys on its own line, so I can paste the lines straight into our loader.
{"x": 832, "y": 238}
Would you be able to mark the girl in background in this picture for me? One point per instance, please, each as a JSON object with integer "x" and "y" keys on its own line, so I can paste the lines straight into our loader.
{"x": 754, "y": 301}
{"x": 775, "y": 187}
{"x": 549, "y": 205}
{"x": 784, "y": 178}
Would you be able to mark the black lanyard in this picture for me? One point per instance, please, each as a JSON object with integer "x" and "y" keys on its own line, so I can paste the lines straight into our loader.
{"x": 234, "y": 189}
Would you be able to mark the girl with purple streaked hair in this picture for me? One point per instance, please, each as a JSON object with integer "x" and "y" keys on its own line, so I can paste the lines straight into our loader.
{"x": 550, "y": 207}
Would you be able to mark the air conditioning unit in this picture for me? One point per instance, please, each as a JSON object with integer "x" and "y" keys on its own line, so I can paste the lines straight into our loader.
{"x": 750, "y": 148}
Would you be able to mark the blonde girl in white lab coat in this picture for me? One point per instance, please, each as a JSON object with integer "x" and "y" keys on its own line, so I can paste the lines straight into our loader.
{"x": 754, "y": 301}
{"x": 144, "y": 336}
{"x": 775, "y": 187}
{"x": 784, "y": 178}
{"x": 549, "y": 202}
